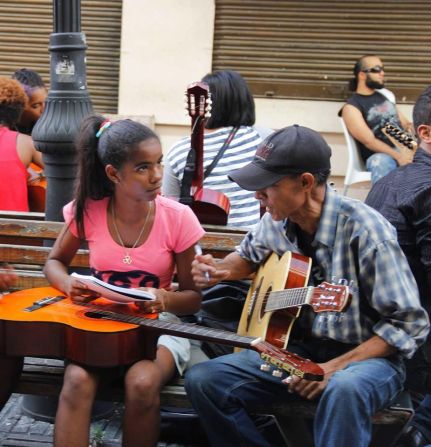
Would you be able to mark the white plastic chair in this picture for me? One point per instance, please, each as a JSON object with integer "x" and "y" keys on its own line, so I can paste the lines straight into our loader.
{"x": 356, "y": 171}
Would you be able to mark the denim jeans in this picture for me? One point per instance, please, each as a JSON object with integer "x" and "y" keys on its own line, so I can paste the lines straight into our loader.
{"x": 222, "y": 389}
{"x": 422, "y": 418}
{"x": 379, "y": 165}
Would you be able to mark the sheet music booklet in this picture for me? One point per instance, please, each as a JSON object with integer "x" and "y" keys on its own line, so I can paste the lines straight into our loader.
{"x": 114, "y": 293}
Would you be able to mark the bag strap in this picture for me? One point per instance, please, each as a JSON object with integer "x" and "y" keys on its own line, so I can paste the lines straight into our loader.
{"x": 220, "y": 153}
{"x": 186, "y": 183}
{"x": 190, "y": 166}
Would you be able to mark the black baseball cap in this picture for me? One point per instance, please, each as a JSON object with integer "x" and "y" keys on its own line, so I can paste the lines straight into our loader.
{"x": 291, "y": 150}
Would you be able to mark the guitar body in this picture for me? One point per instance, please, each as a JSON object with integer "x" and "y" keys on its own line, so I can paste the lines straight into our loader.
{"x": 211, "y": 207}
{"x": 290, "y": 271}
{"x": 36, "y": 186}
{"x": 67, "y": 330}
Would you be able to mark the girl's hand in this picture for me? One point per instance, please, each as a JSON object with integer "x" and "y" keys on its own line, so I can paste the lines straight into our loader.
{"x": 158, "y": 305}
{"x": 78, "y": 291}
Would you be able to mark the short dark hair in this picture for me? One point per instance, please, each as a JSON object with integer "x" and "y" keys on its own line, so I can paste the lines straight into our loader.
{"x": 29, "y": 79}
{"x": 12, "y": 102}
{"x": 357, "y": 68}
{"x": 233, "y": 103}
{"x": 422, "y": 109}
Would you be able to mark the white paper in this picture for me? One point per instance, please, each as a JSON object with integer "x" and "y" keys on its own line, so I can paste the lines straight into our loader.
{"x": 114, "y": 293}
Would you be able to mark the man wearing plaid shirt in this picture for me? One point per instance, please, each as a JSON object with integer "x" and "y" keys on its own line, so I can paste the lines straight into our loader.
{"x": 361, "y": 350}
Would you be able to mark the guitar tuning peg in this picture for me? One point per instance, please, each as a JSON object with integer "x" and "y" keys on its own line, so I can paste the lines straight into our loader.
{"x": 207, "y": 115}
{"x": 265, "y": 367}
{"x": 209, "y": 101}
{"x": 351, "y": 283}
{"x": 342, "y": 282}
{"x": 277, "y": 373}
{"x": 333, "y": 279}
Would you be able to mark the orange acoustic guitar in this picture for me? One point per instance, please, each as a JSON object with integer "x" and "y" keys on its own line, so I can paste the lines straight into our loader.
{"x": 36, "y": 186}
{"x": 211, "y": 207}
{"x": 404, "y": 141}
{"x": 273, "y": 302}
{"x": 42, "y": 322}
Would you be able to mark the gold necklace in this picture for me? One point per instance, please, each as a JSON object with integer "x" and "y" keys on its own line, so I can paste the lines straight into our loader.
{"x": 127, "y": 258}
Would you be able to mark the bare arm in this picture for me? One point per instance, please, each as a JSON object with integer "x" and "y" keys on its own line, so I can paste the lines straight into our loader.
{"x": 59, "y": 258}
{"x": 187, "y": 299}
{"x": 27, "y": 152}
{"x": 374, "y": 347}
{"x": 407, "y": 125}
{"x": 231, "y": 267}
{"x": 360, "y": 131}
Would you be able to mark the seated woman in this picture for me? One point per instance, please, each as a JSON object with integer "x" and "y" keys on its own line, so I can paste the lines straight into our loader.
{"x": 17, "y": 149}
{"x": 36, "y": 92}
{"x": 231, "y": 127}
{"x": 136, "y": 238}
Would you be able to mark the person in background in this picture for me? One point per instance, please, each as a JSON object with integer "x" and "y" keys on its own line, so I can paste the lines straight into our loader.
{"x": 136, "y": 238}
{"x": 17, "y": 150}
{"x": 404, "y": 198}
{"x": 367, "y": 111}
{"x": 361, "y": 350}
{"x": 36, "y": 92}
{"x": 232, "y": 116}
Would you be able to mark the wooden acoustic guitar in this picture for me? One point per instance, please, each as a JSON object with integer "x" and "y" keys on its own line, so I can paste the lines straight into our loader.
{"x": 273, "y": 302}
{"x": 36, "y": 188}
{"x": 401, "y": 139}
{"x": 42, "y": 322}
{"x": 211, "y": 207}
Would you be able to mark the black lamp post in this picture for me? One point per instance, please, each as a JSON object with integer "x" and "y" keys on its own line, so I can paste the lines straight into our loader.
{"x": 54, "y": 135}
{"x": 67, "y": 103}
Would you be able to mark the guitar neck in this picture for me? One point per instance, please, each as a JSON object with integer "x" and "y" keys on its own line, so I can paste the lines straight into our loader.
{"x": 197, "y": 143}
{"x": 280, "y": 358}
{"x": 187, "y": 330}
{"x": 283, "y": 299}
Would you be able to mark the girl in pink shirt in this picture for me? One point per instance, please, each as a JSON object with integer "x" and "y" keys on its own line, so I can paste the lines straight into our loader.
{"x": 136, "y": 238}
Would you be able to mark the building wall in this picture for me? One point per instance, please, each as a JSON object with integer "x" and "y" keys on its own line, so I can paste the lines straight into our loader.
{"x": 167, "y": 44}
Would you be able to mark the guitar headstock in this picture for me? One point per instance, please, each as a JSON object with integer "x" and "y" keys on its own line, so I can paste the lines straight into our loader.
{"x": 198, "y": 100}
{"x": 401, "y": 139}
{"x": 330, "y": 297}
{"x": 288, "y": 361}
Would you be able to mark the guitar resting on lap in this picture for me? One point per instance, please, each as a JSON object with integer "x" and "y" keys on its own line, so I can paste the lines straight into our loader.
{"x": 42, "y": 322}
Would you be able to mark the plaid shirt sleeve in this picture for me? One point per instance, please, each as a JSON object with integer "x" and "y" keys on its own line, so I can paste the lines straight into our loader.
{"x": 388, "y": 281}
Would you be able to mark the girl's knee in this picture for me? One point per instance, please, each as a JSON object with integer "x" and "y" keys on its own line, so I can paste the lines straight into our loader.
{"x": 79, "y": 384}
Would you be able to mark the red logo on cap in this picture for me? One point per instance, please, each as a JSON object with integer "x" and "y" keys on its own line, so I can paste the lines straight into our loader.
{"x": 264, "y": 151}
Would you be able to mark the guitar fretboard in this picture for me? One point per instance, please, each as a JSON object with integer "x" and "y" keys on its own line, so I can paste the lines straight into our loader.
{"x": 186, "y": 330}
{"x": 283, "y": 299}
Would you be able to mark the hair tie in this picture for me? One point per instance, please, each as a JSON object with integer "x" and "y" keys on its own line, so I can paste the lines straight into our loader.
{"x": 105, "y": 124}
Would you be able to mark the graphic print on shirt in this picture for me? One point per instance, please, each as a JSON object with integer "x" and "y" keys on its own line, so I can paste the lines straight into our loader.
{"x": 380, "y": 115}
{"x": 132, "y": 278}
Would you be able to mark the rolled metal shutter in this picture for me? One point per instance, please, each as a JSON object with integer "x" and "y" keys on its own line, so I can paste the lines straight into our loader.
{"x": 307, "y": 49}
{"x": 24, "y": 39}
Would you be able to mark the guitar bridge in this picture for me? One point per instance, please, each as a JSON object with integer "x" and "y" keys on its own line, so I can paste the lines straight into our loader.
{"x": 44, "y": 302}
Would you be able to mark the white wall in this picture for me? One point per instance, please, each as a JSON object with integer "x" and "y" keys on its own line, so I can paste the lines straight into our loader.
{"x": 168, "y": 44}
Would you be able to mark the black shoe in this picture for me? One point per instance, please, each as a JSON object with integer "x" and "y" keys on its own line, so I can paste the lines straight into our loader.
{"x": 412, "y": 438}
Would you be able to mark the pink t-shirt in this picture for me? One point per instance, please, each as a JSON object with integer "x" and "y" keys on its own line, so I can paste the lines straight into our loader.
{"x": 175, "y": 229}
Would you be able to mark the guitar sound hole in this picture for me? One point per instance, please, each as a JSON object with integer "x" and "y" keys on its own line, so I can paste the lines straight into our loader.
{"x": 93, "y": 314}
{"x": 264, "y": 301}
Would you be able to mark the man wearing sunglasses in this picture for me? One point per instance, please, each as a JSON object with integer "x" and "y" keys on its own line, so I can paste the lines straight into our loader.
{"x": 367, "y": 111}
{"x": 404, "y": 198}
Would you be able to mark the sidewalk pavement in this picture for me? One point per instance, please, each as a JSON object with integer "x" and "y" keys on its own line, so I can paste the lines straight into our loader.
{"x": 20, "y": 430}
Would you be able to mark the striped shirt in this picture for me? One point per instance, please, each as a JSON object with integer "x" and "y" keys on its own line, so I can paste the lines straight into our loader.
{"x": 244, "y": 207}
{"x": 356, "y": 243}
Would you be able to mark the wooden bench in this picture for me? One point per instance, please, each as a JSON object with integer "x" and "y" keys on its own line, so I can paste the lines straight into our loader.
{"x": 17, "y": 230}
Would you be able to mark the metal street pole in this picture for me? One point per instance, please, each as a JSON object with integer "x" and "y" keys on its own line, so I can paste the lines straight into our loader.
{"x": 68, "y": 102}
